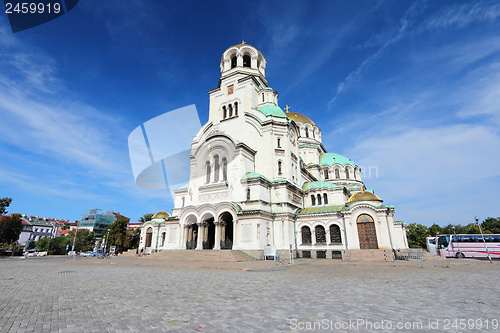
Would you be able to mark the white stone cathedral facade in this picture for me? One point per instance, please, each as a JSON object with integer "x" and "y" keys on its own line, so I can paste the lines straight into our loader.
{"x": 261, "y": 181}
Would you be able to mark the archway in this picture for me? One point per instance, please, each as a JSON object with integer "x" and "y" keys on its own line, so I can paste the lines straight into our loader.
{"x": 366, "y": 232}
{"x": 149, "y": 237}
{"x": 226, "y": 242}
{"x": 208, "y": 232}
{"x": 192, "y": 232}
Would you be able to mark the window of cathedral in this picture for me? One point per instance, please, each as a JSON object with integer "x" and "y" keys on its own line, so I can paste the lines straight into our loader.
{"x": 183, "y": 201}
{"x": 224, "y": 112}
{"x": 326, "y": 174}
{"x": 320, "y": 234}
{"x": 313, "y": 200}
{"x": 347, "y": 173}
{"x": 279, "y": 167}
{"x": 319, "y": 199}
{"x": 234, "y": 60}
{"x": 337, "y": 173}
{"x": 235, "y": 108}
{"x": 208, "y": 172}
{"x": 246, "y": 61}
{"x": 306, "y": 235}
{"x": 216, "y": 168}
{"x": 230, "y": 110}
{"x": 307, "y": 132}
{"x": 279, "y": 142}
{"x": 325, "y": 198}
{"x": 224, "y": 169}
{"x": 335, "y": 237}
{"x": 248, "y": 194}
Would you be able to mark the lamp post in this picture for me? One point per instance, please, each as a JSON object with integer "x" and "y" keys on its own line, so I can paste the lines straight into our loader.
{"x": 74, "y": 238}
{"x": 106, "y": 241}
{"x": 484, "y": 241}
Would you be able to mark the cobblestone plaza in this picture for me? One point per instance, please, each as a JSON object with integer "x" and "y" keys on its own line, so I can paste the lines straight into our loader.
{"x": 57, "y": 294}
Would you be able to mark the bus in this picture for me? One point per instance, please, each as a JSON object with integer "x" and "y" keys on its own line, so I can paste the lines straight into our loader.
{"x": 468, "y": 246}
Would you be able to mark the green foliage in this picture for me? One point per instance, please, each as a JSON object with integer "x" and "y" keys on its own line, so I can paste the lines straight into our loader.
{"x": 57, "y": 245}
{"x": 491, "y": 224}
{"x": 10, "y": 228}
{"x": 85, "y": 240}
{"x": 65, "y": 227}
{"x": 4, "y": 203}
{"x": 118, "y": 234}
{"x": 417, "y": 234}
{"x": 134, "y": 237}
{"x": 145, "y": 218}
{"x": 434, "y": 230}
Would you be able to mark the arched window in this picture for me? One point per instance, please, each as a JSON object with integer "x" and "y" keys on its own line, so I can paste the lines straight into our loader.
{"x": 216, "y": 168}
{"x": 248, "y": 194}
{"x": 183, "y": 201}
{"x": 279, "y": 167}
{"x": 246, "y": 61}
{"x": 149, "y": 237}
{"x": 306, "y": 235}
{"x": 163, "y": 236}
{"x": 224, "y": 112}
{"x": 335, "y": 236}
{"x": 346, "y": 173}
{"x": 279, "y": 142}
{"x": 313, "y": 200}
{"x": 307, "y": 132}
{"x": 224, "y": 169}
{"x": 326, "y": 174}
{"x": 208, "y": 172}
{"x": 319, "y": 199}
{"x": 320, "y": 234}
{"x": 234, "y": 60}
{"x": 325, "y": 198}
{"x": 235, "y": 108}
{"x": 337, "y": 173}
{"x": 230, "y": 111}
{"x": 262, "y": 98}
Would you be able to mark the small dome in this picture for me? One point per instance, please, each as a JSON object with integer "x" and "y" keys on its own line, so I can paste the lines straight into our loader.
{"x": 300, "y": 118}
{"x": 272, "y": 110}
{"x": 161, "y": 215}
{"x": 364, "y": 196}
{"x": 333, "y": 158}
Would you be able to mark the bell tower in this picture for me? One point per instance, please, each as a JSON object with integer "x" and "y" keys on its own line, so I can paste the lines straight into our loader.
{"x": 242, "y": 77}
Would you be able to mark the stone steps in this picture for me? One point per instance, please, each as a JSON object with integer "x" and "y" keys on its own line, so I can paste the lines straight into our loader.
{"x": 375, "y": 255}
{"x": 201, "y": 255}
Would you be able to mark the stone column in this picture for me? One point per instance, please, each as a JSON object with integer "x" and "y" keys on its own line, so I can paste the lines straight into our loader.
{"x": 217, "y": 235}
{"x": 199, "y": 243}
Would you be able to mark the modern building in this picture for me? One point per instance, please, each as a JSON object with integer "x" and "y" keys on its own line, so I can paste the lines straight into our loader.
{"x": 97, "y": 220}
{"x": 261, "y": 180}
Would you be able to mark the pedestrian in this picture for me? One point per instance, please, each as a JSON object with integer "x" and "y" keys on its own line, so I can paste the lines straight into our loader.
{"x": 141, "y": 252}
{"x": 137, "y": 252}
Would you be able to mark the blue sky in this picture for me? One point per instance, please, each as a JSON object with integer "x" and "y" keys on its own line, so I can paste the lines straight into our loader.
{"x": 408, "y": 90}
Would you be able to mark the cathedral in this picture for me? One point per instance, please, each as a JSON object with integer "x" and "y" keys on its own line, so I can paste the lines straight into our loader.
{"x": 262, "y": 182}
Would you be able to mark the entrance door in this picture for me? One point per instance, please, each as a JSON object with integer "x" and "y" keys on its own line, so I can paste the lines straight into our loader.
{"x": 149, "y": 237}
{"x": 366, "y": 232}
{"x": 209, "y": 242}
{"x": 227, "y": 231}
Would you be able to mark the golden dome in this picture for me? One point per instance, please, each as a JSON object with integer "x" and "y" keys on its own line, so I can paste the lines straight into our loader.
{"x": 363, "y": 196}
{"x": 297, "y": 117}
{"x": 161, "y": 215}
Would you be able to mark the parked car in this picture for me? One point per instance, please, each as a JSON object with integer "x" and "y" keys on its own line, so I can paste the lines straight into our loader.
{"x": 86, "y": 254}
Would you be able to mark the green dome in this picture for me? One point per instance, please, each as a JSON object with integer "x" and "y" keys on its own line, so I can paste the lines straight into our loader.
{"x": 272, "y": 110}
{"x": 332, "y": 158}
{"x": 318, "y": 185}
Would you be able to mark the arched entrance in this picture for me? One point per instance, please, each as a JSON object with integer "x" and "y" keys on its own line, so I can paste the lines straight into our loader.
{"x": 366, "y": 232}
{"x": 208, "y": 232}
{"x": 149, "y": 237}
{"x": 227, "y": 228}
{"x": 192, "y": 232}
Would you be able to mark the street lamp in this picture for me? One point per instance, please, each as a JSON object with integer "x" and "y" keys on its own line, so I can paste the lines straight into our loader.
{"x": 74, "y": 238}
{"x": 484, "y": 241}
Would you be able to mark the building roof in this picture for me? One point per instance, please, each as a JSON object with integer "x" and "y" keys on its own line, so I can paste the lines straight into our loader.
{"x": 333, "y": 158}
{"x": 318, "y": 185}
{"x": 322, "y": 209}
{"x": 161, "y": 215}
{"x": 272, "y": 110}
{"x": 364, "y": 196}
{"x": 299, "y": 118}
{"x": 254, "y": 175}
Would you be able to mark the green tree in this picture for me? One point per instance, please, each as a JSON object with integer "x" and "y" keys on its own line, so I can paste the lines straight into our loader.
{"x": 434, "y": 230}
{"x": 85, "y": 240}
{"x": 417, "y": 234}
{"x": 4, "y": 203}
{"x": 10, "y": 228}
{"x": 145, "y": 218}
{"x": 134, "y": 237}
{"x": 491, "y": 224}
{"x": 118, "y": 234}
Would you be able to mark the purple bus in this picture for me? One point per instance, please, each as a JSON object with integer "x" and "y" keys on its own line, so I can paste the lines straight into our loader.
{"x": 468, "y": 246}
